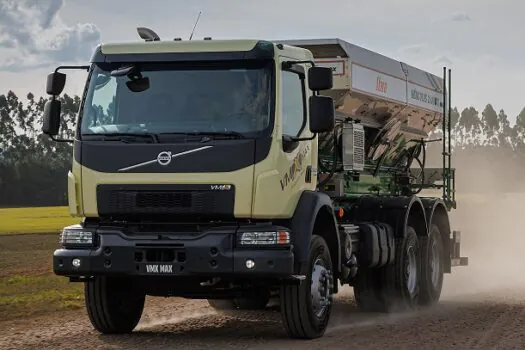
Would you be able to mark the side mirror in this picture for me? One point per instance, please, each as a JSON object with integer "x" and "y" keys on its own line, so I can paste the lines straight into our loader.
{"x": 51, "y": 122}
{"x": 55, "y": 83}
{"x": 320, "y": 78}
{"x": 322, "y": 114}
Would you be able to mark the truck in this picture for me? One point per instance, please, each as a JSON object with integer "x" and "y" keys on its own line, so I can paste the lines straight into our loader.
{"x": 240, "y": 171}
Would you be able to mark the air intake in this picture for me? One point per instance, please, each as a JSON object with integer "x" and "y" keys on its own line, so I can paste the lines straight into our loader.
{"x": 147, "y": 34}
{"x": 353, "y": 147}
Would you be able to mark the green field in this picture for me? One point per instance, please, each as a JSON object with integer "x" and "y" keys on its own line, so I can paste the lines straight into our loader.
{"x": 28, "y": 285}
{"x": 35, "y": 220}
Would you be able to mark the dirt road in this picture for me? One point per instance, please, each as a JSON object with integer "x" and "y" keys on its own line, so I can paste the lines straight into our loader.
{"x": 482, "y": 307}
{"x": 482, "y": 321}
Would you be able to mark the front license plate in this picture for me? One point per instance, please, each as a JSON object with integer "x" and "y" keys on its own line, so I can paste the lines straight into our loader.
{"x": 159, "y": 268}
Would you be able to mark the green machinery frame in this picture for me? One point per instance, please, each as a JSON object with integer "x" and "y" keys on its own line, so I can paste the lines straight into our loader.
{"x": 391, "y": 173}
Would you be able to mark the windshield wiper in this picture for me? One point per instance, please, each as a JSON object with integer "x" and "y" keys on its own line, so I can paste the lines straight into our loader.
{"x": 122, "y": 136}
{"x": 208, "y": 135}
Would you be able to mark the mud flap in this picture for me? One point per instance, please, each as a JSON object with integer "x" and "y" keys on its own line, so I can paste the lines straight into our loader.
{"x": 455, "y": 251}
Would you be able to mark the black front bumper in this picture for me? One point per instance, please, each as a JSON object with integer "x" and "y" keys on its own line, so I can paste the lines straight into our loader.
{"x": 211, "y": 254}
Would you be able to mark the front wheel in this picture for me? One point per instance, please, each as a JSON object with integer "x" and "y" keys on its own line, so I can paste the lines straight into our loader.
{"x": 114, "y": 305}
{"x": 306, "y": 308}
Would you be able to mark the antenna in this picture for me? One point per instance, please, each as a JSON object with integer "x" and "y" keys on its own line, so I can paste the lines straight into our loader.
{"x": 195, "y": 25}
{"x": 147, "y": 34}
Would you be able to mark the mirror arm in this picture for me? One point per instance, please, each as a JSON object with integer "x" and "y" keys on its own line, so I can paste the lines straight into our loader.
{"x": 307, "y": 61}
{"x": 71, "y": 67}
{"x": 304, "y": 138}
{"x": 287, "y": 65}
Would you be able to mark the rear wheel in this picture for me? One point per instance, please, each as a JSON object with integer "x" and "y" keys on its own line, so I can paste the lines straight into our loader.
{"x": 432, "y": 266}
{"x": 306, "y": 308}
{"x": 114, "y": 305}
{"x": 394, "y": 287}
{"x": 401, "y": 279}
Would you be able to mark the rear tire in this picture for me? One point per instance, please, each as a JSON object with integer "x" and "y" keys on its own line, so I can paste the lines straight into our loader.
{"x": 401, "y": 279}
{"x": 394, "y": 287}
{"x": 306, "y": 308}
{"x": 432, "y": 267}
{"x": 114, "y": 305}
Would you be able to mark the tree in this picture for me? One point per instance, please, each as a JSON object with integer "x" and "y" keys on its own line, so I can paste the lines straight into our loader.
{"x": 33, "y": 169}
{"x": 489, "y": 124}
{"x": 469, "y": 127}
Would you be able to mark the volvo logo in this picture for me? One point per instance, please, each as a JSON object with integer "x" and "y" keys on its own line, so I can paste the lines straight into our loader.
{"x": 164, "y": 158}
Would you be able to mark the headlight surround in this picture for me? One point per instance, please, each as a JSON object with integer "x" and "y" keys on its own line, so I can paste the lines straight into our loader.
{"x": 276, "y": 238}
{"x": 77, "y": 237}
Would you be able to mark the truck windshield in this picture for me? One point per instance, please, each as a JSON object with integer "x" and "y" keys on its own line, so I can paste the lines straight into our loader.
{"x": 181, "y": 98}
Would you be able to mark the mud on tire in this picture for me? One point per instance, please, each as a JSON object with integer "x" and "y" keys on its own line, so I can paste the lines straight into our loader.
{"x": 306, "y": 308}
{"x": 114, "y": 305}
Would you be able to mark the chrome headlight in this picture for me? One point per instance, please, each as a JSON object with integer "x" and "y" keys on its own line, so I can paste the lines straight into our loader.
{"x": 271, "y": 238}
{"x": 76, "y": 236}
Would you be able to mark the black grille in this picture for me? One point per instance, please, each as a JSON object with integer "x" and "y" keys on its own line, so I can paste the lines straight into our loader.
{"x": 164, "y": 199}
{"x": 158, "y": 200}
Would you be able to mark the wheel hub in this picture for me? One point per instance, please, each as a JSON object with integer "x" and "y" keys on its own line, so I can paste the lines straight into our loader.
{"x": 321, "y": 288}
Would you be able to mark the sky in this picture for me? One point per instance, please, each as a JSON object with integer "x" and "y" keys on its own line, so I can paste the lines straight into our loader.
{"x": 478, "y": 39}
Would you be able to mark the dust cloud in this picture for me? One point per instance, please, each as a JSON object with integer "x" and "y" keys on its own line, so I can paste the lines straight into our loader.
{"x": 166, "y": 320}
{"x": 491, "y": 222}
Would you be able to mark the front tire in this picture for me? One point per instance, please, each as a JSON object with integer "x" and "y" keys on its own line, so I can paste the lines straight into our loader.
{"x": 114, "y": 305}
{"x": 306, "y": 308}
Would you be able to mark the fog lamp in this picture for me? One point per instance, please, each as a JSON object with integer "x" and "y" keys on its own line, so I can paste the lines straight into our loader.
{"x": 76, "y": 263}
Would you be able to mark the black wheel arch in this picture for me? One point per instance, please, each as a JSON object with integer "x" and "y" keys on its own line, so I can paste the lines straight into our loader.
{"x": 314, "y": 213}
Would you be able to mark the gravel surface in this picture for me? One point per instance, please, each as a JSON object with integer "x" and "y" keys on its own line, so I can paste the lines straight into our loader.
{"x": 482, "y": 307}
{"x": 476, "y": 321}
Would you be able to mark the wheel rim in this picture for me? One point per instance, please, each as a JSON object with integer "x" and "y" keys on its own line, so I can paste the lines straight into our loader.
{"x": 321, "y": 288}
{"x": 435, "y": 266}
{"x": 411, "y": 270}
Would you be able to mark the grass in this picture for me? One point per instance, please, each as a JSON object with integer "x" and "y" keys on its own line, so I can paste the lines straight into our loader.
{"x": 23, "y": 296}
{"x": 34, "y": 220}
{"x": 28, "y": 285}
